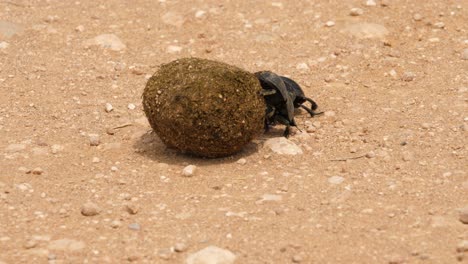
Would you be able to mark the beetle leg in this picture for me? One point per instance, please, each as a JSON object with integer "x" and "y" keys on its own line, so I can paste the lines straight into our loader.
{"x": 312, "y": 102}
{"x": 310, "y": 111}
{"x": 285, "y": 122}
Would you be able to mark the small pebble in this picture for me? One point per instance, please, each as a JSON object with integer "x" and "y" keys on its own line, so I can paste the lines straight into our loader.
{"x": 370, "y": 3}
{"x": 134, "y": 226}
{"x": 131, "y": 209}
{"x": 356, "y": 11}
{"x": 335, "y": 179}
{"x": 180, "y": 247}
{"x": 463, "y": 215}
{"x": 462, "y": 246}
{"x": 164, "y": 253}
{"x": 408, "y": 76}
{"x": 297, "y": 259}
{"x": 370, "y": 154}
{"x": 439, "y": 24}
{"x": 90, "y": 209}
{"x": 131, "y": 106}
{"x": 241, "y": 161}
{"x": 116, "y": 224}
{"x": 96, "y": 160}
{"x": 37, "y": 171}
{"x": 32, "y": 243}
{"x": 408, "y": 156}
{"x": 330, "y": 23}
{"x": 109, "y": 107}
{"x": 302, "y": 66}
{"x": 189, "y": 171}
{"x": 79, "y": 28}
{"x": 4, "y": 45}
{"x": 464, "y": 54}
{"x": 173, "y": 49}
{"x": 94, "y": 140}
{"x": 417, "y": 17}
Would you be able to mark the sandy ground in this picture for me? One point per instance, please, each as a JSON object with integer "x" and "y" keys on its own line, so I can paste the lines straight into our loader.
{"x": 395, "y": 95}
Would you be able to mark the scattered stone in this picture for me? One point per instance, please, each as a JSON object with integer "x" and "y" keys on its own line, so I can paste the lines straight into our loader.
{"x": 462, "y": 246}
{"x": 172, "y": 49}
{"x": 116, "y": 224}
{"x": 134, "y": 226}
{"x": 463, "y": 215}
{"x": 434, "y": 40}
{"x": 90, "y": 209}
{"x": 95, "y": 160}
{"x": 4, "y": 45}
{"x": 15, "y": 148}
{"x": 297, "y": 259}
{"x": 269, "y": 198}
{"x": 330, "y": 23}
{"x": 384, "y": 3}
{"x": 94, "y": 140}
{"x": 37, "y": 171}
{"x": 283, "y": 146}
{"x": 180, "y": 247}
{"x": 66, "y": 245}
{"x": 367, "y": 30}
{"x": 109, "y": 108}
{"x": 241, "y": 161}
{"x": 335, "y": 179}
{"x": 211, "y": 255}
{"x": 131, "y": 106}
{"x": 408, "y": 76}
{"x": 464, "y": 54}
{"x": 56, "y": 148}
{"x": 200, "y": 13}
{"x": 8, "y": 29}
{"x": 417, "y": 17}
{"x": 356, "y": 11}
{"x": 189, "y": 171}
{"x": 79, "y": 28}
{"x": 131, "y": 209}
{"x": 302, "y": 66}
{"x": 370, "y": 154}
{"x": 371, "y": 3}
{"x": 439, "y": 24}
{"x": 32, "y": 243}
{"x": 106, "y": 41}
{"x": 173, "y": 19}
{"x": 408, "y": 156}
{"x": 165, "y": 253}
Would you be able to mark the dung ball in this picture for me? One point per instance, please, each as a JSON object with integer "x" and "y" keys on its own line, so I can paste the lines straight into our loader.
{"x": 204, "y": 107}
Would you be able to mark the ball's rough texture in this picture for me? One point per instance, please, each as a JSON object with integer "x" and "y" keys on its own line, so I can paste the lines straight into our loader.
{"x": 204, "y": 107}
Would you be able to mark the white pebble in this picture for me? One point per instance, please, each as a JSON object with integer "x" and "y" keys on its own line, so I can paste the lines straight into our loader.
{"x": 371, "y": 3}
{"x": 408, "y": 76}
{"x": 109, "y": 107}
{"x": 189, "y": 171}
{"x": 302, "y": 66}
{"x": 173, "y": 49}
{"x": 79, "y": 28}
{"x": 356, "y": 11}
{"x": 464, "y": 54}
{"x": 4, "y": 45}
{"x": 417, "y": 17}
{"x": 330, "y": 23}
{"x": 335, "y": 179}
{"x": 131, "y": 106}
{"x": 94, "y": 140}
{"x": 241, "y": 161}
{"x": 200, "y": 13}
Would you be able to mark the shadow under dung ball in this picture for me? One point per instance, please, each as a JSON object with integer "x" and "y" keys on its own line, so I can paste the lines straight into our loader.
{"x": 204, "y": 107}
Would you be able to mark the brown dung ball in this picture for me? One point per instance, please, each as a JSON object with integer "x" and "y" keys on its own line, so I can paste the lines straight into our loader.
{"x": 204, "y": 107}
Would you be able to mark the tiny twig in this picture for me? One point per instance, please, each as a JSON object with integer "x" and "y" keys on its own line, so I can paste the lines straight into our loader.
{"x": 350, "y": 158}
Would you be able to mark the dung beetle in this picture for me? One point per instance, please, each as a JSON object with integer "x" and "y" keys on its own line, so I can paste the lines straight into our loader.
{"x": 282, "y": 95}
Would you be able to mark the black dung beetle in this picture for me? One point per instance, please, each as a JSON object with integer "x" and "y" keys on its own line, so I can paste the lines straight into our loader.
{"x": 282, "y": 95}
